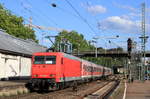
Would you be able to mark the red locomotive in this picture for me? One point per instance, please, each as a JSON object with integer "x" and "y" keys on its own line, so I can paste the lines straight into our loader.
{"x": 57, "y": 70}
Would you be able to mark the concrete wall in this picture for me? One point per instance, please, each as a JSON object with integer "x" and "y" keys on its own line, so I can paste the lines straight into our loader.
{"x": 14, "y": 66}
{"x": 2, "y": 69}
{"x": 25, "y": 69}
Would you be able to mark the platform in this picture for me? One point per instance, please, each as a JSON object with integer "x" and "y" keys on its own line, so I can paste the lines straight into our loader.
{"x": 8, "y": 88}
{"x": 138, "y": 90}
{"x": 10, "y": 83}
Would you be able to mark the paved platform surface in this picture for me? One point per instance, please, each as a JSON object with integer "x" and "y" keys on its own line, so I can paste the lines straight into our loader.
{"x": 10, "y": 83}
{"x": 138, "y": 90}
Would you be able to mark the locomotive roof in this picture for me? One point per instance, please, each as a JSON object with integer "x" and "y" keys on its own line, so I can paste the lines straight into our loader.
{"x": 14, "y": 45}
{"x": 72, "y": 57}
{"x": 76, "y": 58}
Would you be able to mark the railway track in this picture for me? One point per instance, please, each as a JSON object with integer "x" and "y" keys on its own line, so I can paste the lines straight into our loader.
{"x": 103, "y": 92}
{"x": 84, "y": 91}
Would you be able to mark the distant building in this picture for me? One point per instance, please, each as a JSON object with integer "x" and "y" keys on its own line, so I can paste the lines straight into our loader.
{"x": 15, "y": 56}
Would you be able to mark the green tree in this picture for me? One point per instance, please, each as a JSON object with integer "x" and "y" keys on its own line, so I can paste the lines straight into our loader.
{"x": 77, "y": 40}
{"x": 13, "y": 25}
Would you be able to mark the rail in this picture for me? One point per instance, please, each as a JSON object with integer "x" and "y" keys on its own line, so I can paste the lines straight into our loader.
{"x": 104, "y": 91}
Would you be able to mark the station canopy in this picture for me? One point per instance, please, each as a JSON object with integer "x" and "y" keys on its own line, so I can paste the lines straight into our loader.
{"x": 14, "y": 45}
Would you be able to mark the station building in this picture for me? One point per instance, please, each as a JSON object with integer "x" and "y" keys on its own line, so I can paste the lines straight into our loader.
{"x": 15, "y": 56}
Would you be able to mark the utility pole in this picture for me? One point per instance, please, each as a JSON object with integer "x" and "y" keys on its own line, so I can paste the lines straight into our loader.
{"x": 30, "y": 23}
{"x": 96, "y": 48}
{"x": 95, "y": 42}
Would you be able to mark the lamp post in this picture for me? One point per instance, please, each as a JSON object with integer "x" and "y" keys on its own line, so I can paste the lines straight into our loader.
{"x": 95, "y": 41}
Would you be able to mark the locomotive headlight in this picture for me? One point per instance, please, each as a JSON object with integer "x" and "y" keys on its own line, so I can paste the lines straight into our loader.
{"x": 52, "y": 75}
{"x": 35, "y": 75}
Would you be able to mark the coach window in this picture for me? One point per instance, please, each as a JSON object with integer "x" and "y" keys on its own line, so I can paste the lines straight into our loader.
{"x": 39, "y": 60}
{"x": 50, "y": 60}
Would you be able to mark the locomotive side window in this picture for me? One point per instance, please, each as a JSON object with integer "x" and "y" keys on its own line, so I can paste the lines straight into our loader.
{"x": 39, "y": 60}
{"x": 50, "y": 60}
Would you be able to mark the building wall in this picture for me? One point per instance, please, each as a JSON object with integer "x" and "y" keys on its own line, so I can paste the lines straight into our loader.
{"x": 25, "y": 69}
{"x": 2, "y": 69}
{"x": 14, "y": 66}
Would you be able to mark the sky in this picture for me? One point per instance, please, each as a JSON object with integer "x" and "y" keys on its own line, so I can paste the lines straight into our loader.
{"x": 104, "y": 19}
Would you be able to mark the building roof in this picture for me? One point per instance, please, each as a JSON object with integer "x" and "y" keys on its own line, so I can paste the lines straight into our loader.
{"x": 11, "y": 44}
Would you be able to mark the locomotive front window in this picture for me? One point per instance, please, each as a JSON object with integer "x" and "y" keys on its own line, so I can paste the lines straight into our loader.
{"x": 50, "y": 60}
{"x": 39, "y": 60}
{"x": 44, "y": 59}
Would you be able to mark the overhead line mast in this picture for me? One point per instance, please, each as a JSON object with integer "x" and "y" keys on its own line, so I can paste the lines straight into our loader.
{"x": 143, "y": 42}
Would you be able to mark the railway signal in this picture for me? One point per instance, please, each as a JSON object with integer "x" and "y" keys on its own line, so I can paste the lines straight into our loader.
{"x": 129, "y": 45}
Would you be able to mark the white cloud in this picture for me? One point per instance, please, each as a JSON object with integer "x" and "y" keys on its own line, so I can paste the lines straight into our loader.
{"x": 131, "y": 15}
{"x": 125, "y": 7}
{"x": 120, "y": 25}
{"x": 135, "y": 14}
{"x": 125, "y": 16}
{"x": 132, "y": 12}
{"x": 96, "y": 9}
